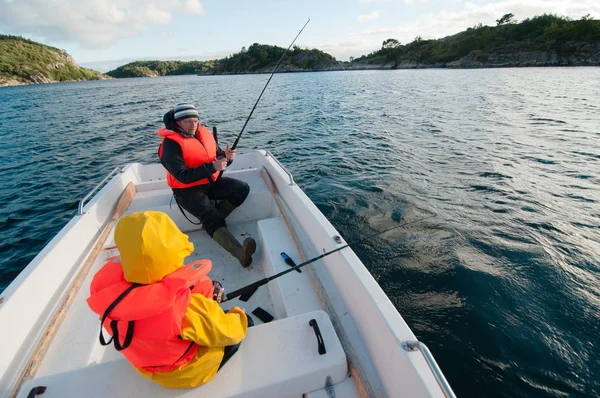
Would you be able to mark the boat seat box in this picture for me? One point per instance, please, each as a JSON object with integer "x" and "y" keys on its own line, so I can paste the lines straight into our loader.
{"x": 279, "y": 359}
{"x": 292, "y": 293}
{"x": 159, "y": 197}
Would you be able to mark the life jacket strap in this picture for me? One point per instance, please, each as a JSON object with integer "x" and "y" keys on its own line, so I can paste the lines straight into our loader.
{"x": 183, "y": 212}
{"x": 114, "y": 324}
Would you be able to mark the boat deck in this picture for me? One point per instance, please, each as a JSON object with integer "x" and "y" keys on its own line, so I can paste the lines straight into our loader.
{"x": 76, "y": 343}
{"x": 75, "y": 347}
{"x": 364, "y": 347}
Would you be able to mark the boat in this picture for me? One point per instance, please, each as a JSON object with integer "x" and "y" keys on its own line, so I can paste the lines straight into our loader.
{"x": 334, "y": 334}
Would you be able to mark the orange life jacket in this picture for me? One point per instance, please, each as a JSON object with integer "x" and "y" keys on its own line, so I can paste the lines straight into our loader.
{"x": 145, "y": 320}
{"x": 196, "y": 152}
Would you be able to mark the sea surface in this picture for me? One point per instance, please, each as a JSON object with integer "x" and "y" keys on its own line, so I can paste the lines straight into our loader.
{"x": 503, "y": 285}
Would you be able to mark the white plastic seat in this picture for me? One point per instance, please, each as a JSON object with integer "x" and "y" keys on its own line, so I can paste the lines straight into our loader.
{"x": 293, "y": 293}
{"x": 278, "y": 359}
{"x": 157, "y": 195}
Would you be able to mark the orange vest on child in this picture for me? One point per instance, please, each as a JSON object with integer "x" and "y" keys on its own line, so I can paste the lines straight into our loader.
{"x": 145, "y": 320}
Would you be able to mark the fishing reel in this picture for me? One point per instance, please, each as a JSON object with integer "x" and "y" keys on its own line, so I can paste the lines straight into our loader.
{"x": 218, "y": 290}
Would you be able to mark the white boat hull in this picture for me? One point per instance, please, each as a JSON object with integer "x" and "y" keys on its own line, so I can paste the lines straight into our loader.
{"x": 373, "y": 335}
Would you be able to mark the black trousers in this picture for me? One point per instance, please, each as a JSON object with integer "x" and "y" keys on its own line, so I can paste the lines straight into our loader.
{"x": 199, "y": 200}
{"x": 232, "y": 349}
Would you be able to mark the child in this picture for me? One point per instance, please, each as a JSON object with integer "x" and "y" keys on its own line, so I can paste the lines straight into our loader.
{"x": 161, "y": 314}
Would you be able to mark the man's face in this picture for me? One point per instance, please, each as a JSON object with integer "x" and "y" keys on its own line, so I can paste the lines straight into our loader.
{"x": 189, "y": 125}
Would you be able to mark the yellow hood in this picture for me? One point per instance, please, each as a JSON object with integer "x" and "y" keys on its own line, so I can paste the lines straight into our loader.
{"x": 151, "y": 246}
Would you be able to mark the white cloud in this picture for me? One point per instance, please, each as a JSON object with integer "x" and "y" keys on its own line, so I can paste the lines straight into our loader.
{"x": 93, "y": 24}
{"x": 193, "y": 7}
{"x": 402, "y": 1}
{"x": 445, "y": 23}
{"x": 368, "y": 17}
{"x": 489, "y": 13}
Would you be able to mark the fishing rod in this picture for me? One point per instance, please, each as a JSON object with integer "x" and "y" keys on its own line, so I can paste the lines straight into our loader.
{"x": 251, "y": 288}
{"x": 259, "y": 97}
{"x": 263, "y": 90}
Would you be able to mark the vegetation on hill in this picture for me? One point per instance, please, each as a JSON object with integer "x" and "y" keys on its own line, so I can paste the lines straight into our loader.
{"x": 540, "y": 41}
{"x": 24, "y": 61}
{"x": 257, "y": 58}
{"x": 546, "y": 33}
{"x": 543, "y": 40}
{"x": 263, "y": 57}
{"x": 160, "y": 68}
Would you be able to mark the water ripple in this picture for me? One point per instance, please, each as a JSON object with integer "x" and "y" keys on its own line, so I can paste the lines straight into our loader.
{"x": 505, "y": 282}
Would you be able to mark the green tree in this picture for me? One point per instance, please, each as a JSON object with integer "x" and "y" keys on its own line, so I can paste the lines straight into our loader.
{"x": 505, "y": 20}
{"x": 390, "y": 43}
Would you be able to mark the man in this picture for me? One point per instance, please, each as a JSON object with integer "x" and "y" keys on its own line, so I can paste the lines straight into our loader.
{"x": 162, "y": 315}
{"x": 194, "y": 161}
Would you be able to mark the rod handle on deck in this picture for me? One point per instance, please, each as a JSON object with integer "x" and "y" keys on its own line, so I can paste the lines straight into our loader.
{"x": 251, "y": 287}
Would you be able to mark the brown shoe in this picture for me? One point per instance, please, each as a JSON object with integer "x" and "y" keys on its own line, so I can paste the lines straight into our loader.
{"x": 248, "y": 249}
{"x": 242, "y": 252}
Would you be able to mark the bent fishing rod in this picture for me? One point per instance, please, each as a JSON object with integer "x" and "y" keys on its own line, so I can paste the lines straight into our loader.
{"x": 263, "y": 90}
{"x": 261, "y": 94}
{"x": 251, "y": 288}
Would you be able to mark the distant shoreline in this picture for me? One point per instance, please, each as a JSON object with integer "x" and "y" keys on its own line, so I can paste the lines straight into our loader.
{"x": 16, "y": 84}
{"x": 389, "y": 69}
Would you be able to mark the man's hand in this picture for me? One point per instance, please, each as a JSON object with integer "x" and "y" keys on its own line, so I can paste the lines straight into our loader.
{"x": 220, "y": 164}
{"x": 229, "y": 153}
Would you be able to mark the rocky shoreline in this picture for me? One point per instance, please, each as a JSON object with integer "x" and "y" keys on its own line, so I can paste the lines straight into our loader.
{"x": 530, "y": 59}
{"x": 578, "y": 54}
{"x": 44, "y": 80}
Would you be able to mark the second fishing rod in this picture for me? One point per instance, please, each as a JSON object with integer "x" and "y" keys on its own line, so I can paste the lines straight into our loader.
{"x": 251, "y": 288}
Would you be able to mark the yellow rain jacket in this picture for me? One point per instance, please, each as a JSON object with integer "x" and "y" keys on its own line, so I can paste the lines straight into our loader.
{"x": 180, "y": 331}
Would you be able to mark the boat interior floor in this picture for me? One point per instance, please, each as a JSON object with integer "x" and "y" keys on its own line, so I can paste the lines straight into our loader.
{"x": 275, "y": 357}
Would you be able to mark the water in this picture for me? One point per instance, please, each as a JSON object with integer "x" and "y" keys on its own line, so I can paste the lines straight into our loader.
{"x": 503, "y": 285}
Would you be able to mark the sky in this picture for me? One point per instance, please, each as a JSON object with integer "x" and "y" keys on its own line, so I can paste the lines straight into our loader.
{"x": 104, "y": 34}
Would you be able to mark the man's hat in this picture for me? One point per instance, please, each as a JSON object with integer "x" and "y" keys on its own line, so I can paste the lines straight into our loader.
{"x": 183, "y": 111}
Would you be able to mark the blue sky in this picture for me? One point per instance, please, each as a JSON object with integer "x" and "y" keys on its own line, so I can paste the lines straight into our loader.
{"x": 103, "y": 34}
